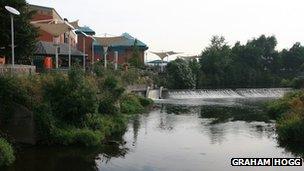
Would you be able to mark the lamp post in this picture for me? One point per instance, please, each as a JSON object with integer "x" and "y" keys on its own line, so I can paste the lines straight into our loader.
{"x": 105, "y": 51}
{"x": 13, "y": 12}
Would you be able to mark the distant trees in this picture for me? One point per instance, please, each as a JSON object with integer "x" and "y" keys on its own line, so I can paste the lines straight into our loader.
{"x": 25, "y": 33}
{"x": 254, "y": 64}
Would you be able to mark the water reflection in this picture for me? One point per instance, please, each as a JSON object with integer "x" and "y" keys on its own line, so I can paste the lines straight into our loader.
{"x": 174, "y": 137}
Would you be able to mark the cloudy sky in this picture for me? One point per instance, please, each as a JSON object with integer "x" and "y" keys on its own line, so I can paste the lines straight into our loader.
{"x": 187, "y": 25}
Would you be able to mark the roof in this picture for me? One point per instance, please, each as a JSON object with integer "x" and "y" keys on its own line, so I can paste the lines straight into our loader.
{"x": 38, "y": 7}
{"x": 126, "y": 40}
{"x": 86, "y": 30}
{"x": 48, "y": 48}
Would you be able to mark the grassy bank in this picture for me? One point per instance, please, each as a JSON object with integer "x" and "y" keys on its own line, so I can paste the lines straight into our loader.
{"x": 289, "y": 113}
{"x": 76, "y": 108}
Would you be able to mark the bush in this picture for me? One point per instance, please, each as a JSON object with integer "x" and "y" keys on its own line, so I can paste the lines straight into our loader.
{"x": 111, "y": 92}
{"x": 297, "y": 83}
{"x": 279, "y": 107}
{"x": 130, "y": 104}
{"x": 145, "y": 101}
{"x": 11, "y": 92}
{"x": 290, "y": 128}
{"x": 71, "y": 98}
{"x": 6, "y": 153}
{"x": 285, "y": 83}
{"x": 74, "y": 136}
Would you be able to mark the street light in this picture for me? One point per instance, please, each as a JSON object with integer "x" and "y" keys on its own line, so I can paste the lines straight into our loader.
{"x": 13, "y": 12}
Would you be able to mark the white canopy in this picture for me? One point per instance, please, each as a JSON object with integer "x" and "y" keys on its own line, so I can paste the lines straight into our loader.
{"x": 55, "y": 29}
{"x": 163, "y": 55}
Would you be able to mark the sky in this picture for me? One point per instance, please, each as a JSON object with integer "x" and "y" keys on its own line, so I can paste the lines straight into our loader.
{"x": 187, "y": 25}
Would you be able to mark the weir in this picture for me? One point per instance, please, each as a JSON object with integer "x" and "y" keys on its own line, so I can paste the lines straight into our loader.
{"x": 228, "y": 93}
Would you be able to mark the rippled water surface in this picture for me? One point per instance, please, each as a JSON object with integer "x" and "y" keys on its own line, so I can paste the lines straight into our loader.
{"x": 177, "y": 135}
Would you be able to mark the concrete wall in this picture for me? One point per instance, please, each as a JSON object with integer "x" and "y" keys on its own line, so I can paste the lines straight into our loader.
{"x": 18, "y": 69}
{"x": 20, "y": 125}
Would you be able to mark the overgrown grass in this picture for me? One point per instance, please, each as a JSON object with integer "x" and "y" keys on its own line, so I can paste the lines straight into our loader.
{"x": 6, "y": 153}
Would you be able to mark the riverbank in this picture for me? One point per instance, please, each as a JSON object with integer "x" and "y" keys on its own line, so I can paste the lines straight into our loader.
{"x": 289, "y": 113}
{"x": 171, "y": 137}
{"x": 77, "y": 108}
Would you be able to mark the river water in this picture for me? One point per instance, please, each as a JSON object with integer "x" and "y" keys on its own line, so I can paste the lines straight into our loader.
{"x": 178, "y": 134}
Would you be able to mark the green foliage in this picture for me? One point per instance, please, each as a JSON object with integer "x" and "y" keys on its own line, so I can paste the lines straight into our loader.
{"x": 297, "y": 82}
{"x": 290, "y": 113}
{"x": 110, "y": 97}
{"x": 290, "y": 128}
{"x": 255, "y": 64}
{"x": 278, "y": 108}
{"x": 72, "y": 136}
{"x": 6, "y": 153}
{"x": 135, "y": 59}
{"x": 25, "y": 33}
{"x": 130, "y": 104}
{"x": 180, "y": 75}
{"x": 71, "y": 97}
{"x": 145, "y": 101}
{"x": 11, "y": 92}
{"x": 73, "y": 108}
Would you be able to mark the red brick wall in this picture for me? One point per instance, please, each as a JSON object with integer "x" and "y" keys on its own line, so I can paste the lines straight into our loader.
{"x": 44, "y": 36}
{"x": 123, "y": 57}
{"x": 88, "y": 45}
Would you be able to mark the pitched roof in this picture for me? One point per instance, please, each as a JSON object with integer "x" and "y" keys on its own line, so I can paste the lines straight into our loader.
{"x": 126, "y": 41}
{"x": 48, "y": 48}
{"x": 38, "y": 7}
{"x": 86, "y": 30}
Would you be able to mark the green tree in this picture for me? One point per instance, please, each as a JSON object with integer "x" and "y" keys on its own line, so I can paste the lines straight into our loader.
{"x": 214, "y": 61}
{"x": 135, "y": 59}
{"x": 180, "y": 75}
{"x": 292, "y": 60}
{"x": 25, "y": 33}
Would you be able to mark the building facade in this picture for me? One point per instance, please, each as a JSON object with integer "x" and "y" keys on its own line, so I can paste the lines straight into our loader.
{"x": 47, "y": 15}
{"x": 124, "y": 48}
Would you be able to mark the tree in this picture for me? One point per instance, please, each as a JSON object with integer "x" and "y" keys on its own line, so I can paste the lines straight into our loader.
{"x": 292, "y": 60}
{"x": 25, "y": 33}
{"x": 214, "y": 61}
{"x": 180, "y": 75}
{"x": 135, "y": 59}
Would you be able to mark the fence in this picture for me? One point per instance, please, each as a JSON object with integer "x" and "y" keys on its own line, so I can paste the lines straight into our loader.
{"x": 17, "y": 69}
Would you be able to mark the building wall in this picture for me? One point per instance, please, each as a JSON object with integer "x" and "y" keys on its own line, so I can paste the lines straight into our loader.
{"x": 45, "y": 13}
{"x": 88, "y": 46}
{"x": 123, "y": 56}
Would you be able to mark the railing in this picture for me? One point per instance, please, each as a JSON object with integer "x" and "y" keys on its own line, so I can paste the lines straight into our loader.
{"x": 17, "y": 69}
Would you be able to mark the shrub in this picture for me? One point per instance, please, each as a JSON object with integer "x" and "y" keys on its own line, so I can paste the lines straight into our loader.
{"x": 6, "y": 153}
{"x": 111, "y": 93}
{"x": 281, "y": 106}
{"x": 71, "y": 98}
{"x": 11, "y": 92}
{"x": 72, "y": 136}
{"x": 145, "y": 101}
{"x": 297, "y": 83}
{"x": 130, "y": 104}
{"x": 290, "y": 128}
{"x": 285, "y": 83}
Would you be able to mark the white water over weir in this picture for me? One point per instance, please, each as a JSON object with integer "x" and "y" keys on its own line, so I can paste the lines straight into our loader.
{"x": 228, "y": 93}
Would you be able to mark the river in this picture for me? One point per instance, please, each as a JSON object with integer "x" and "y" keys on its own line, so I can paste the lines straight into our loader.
{"x": 183, "y": 132}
